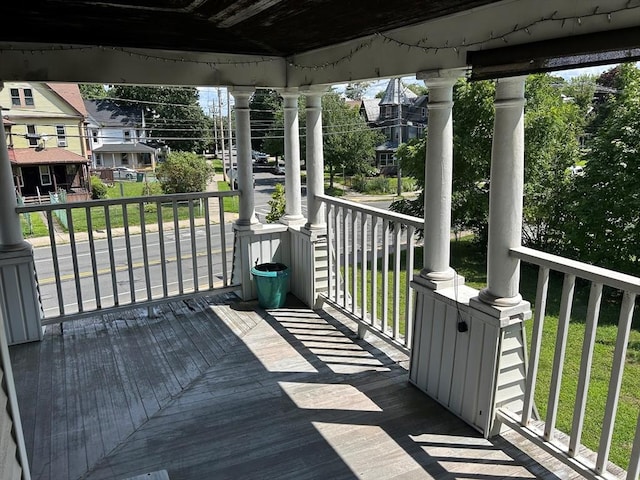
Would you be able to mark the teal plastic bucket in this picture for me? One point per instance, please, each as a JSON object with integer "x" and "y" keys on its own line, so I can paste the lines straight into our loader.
{"x": 271, "y": 284}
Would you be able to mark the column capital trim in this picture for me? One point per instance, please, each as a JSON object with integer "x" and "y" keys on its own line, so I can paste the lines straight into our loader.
{"x": 239, "y": 92}
{"x": 289, "y": 92}
{"x": 441, "y": 77}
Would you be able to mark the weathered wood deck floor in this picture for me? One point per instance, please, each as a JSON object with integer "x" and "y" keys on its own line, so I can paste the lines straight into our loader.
{"x": 215, "y": 389}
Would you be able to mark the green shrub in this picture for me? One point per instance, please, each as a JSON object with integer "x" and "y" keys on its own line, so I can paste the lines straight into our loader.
{"x": 277, "y": 204}
{"x": 409, "y": 184}
{"x": 98, "y": 189}
{"x": 378, "y": 185}
{"x": 184, "y": 172}
{"x": 359, "y": 183}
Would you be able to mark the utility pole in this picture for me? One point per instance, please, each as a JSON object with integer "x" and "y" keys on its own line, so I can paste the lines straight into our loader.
{"x": 399, "y": 189}
{"x": 215, "y": 128}
{"x": 230, "y": 138}
{"x": 224, "y": 165}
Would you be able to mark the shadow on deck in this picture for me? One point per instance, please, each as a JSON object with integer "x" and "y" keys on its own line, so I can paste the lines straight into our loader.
{"x": 215, "y": 388}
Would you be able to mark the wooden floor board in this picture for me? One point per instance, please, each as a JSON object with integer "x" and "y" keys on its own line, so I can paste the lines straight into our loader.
{"x": 211, "y": 389}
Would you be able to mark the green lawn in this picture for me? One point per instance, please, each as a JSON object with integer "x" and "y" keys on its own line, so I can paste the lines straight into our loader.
{"x": 33, "y": 225}
{"x": 469, "y": 261}
{"x": 231, "y": 204}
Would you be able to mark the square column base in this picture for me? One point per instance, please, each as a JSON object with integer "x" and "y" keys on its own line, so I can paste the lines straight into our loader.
{"x": 20, "y": 302}
{"x": 468, "y": 357}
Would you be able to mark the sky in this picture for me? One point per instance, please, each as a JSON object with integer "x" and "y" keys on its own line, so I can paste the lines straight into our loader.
{"x": 209, "y": 95}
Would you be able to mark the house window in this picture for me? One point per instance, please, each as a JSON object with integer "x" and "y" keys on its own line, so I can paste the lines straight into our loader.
{"x": 99, "y": 159}
{"x": 45, "y": 175}
{"x": 18, "y": 177}
{"x": 28, "y": 97}
{"x": 124, "y": 158}
{"x": 62, "y": 137}
{"x": 94, "y": 136}
{"x": 127, "y": 135}
{"x": 424, "y": 112}
{"x": 32, "y": 136}
{"x": 15, "y": 97}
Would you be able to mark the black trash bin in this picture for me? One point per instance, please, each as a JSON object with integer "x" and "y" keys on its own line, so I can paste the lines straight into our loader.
{"x": 271, "y": 284}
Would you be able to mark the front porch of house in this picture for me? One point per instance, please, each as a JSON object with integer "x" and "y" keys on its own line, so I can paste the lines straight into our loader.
{"x": 218, "y": 388}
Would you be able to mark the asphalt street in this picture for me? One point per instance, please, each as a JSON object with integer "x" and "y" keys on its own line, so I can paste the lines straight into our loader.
{"x": 182, "y": 260}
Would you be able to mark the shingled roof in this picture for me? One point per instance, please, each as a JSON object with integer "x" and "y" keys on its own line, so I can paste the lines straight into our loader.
{"x": 47, "y": 156}
{"x": 109, "y": 113}
{"x": 394, "y": 95}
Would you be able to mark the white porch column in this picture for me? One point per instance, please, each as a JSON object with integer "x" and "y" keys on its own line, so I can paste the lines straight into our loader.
{"x": 315, "y": 162}
{"x": 10, "y": 231}
{"x": 292, "y": 187}
{"x": 439, "y": 175}
{"x": 247, "y": 214}
{"x": 19, "y": 299}
{"x": 505, "y": 196}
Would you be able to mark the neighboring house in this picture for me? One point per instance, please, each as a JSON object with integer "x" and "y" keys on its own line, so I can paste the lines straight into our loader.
{"x": 44, "y": 125}
{"x": 117, "y": 136}
{"x": 400, "y": 114}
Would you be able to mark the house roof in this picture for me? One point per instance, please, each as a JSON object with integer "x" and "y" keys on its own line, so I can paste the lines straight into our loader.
{"x": 397, "y": 92}
{"x": 47, "y": 156}
{"x": 124, "y": 148}
{"x": 371, "y": 109}
{"x": 70, "y": 92}
{"x": 109, "y": 113}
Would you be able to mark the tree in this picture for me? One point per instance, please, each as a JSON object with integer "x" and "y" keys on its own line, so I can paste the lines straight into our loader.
{"x": 348, "y": 143}
{"x": 263, "y": 107}
{"x": 552, "y": 127}
{"x": 604, "y": 225}
{"x": 172, "y": 114}
{"x": 418, "y": 89}
{"x": 91, "y": 91}
{"x": 356, "y": 90}
{"x": 184, "y": 172}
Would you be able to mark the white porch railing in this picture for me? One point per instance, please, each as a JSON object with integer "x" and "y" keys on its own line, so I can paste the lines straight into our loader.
{"x": 569, "y": 450}
{"x": 153, "y": 257}
{"x": 379, "y": 298}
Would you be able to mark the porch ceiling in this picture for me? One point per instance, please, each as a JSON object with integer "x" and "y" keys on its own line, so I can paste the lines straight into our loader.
{"x": 254, "y": 27}
{"x": 285, "y": 43}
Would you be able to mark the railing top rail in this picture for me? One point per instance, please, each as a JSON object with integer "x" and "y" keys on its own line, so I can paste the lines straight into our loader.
{"x": 595, "y": 274}
{"x": 393, "y": 217}
{"x": 125, "y": 201}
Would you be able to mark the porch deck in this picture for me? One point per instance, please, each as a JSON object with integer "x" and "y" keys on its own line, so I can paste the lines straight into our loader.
{"x": 215, "y": 388}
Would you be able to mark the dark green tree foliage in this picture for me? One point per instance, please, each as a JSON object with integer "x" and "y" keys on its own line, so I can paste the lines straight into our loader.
{"x": 172, "y": 114}
{"x": 605, "y": 223}
{"x": 91, "y": 91}
{"x": 356, "y": 90}
{"x": 552, "y": 128}
{"x": 349, "y": 143}
{"x": 263, "y": 106}
{"x": 473, "y": 130}
{"x": 184, "y": 172}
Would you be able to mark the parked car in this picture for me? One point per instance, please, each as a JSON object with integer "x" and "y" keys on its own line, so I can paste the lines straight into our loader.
{"x": 124, "y": 173}
{"x": 278, "y": 169}
{"x": 259, "y": 157}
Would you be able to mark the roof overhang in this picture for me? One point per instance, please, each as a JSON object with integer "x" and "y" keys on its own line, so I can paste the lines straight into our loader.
{"x": 284, "y": 43}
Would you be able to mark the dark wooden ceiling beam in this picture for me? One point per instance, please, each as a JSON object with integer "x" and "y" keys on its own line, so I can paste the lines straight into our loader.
{"x": 614, "y": 46}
